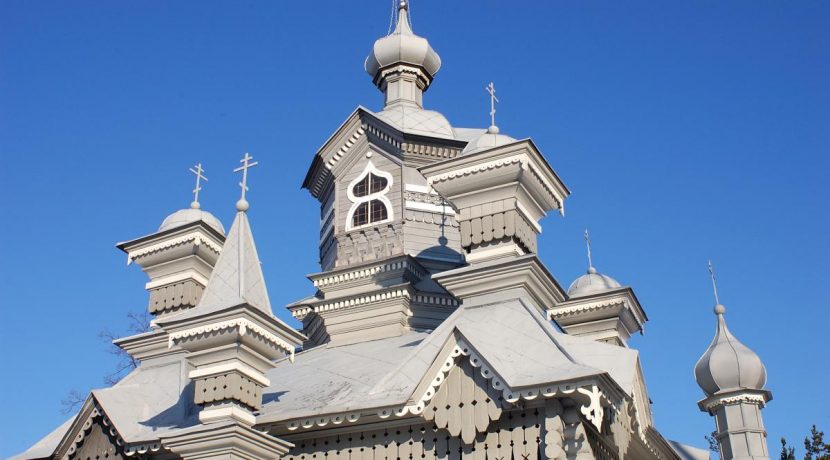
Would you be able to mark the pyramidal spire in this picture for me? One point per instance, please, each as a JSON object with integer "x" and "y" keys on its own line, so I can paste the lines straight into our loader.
{"x": 237, "y": 276}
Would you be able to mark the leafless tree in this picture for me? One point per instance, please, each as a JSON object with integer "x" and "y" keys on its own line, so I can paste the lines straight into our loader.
{"x": 137, "y": 324}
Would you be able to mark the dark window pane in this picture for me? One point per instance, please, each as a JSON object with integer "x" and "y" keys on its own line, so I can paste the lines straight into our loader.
{"x": 361, "y": 215}
{"x": 378, "y": 211}
{"x": 362, "y": 187}
{"x": 377, "y": 183}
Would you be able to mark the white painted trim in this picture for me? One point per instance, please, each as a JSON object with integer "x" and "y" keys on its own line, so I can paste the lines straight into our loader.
{"x": 429, "y": 207}
{"x": 212, "y": 415}
{"x": 196, "y": 237}
{"x": 523, "y": 210}
{"x": 501, "y": 250}
{"x": 736, "y": 399}
{"x": 223, "y": 368}
{"x": 380, "y": 196}
{"x": 176, "y": 277}
{"x": 523, "y": 160}
{"x": 242, "y": 324}
{"x": 420, "y": 189}
{"x": 573, "y": 309}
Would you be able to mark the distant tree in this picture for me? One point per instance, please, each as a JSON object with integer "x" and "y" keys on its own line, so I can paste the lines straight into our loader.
{"x": 814, "y": 446}
{"x": 138, "y": 323}
{"x": 713, "y": 443}
{"x": 787, "y": 452}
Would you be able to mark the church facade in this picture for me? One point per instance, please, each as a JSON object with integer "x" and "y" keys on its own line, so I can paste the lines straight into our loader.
{"x": 432, "y": 331}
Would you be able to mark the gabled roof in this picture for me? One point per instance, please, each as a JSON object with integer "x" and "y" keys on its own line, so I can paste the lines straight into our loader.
{"x": 521, "y": 348}
{"x": 338, "y": 144}
{"x": 149, "y": 401}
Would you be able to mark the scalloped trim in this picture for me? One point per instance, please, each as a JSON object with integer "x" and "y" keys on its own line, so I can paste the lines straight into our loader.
{"x": 522, "y": 159}
{"x": 368, "y": 272}
{"x": 196, "y": 237}
{"x": 737, "y": 399}
{"x": 583, "y": 308}
{"x": 243, "y": 325}
{"x": 593, "y": 411}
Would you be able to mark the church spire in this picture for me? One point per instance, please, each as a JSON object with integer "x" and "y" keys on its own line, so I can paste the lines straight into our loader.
{"x": 732, "y": 377}
{"x": 402, "y": 64}
{"x": 237, "y": 276}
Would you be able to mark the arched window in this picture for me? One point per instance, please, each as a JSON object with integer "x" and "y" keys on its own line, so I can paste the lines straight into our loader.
{"x": 367, "y": 192}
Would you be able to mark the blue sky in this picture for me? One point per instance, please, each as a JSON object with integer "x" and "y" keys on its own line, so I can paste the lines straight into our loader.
{"x": 686, "y": 131}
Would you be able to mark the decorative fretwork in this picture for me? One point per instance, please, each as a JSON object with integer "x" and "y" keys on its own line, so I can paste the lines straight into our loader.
{"x": 175, "y": 296}
{"x": 516, "y": 435}
{"x": 98, "y": 444}
{"x": 465, "y": 403}
{"x": 368, "y": 244}
{"x": 496, "y": 226}
{"x": 230, "y": 386}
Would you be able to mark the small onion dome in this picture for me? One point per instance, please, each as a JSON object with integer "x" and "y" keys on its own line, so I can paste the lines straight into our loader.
{"x": 728, "y": 364}
{"x": 592, "y": 282}
{"x": 402, "y": 46}
{"x": 491, "y": 138}
{"x": 187, "y": 216}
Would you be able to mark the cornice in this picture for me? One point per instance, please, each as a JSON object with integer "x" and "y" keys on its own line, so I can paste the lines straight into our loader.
{"x": 197, "y": 237}
{"x": 574, "y": 310}
{"x": 349, "y": 275}
{"x": 740, "y": 396}
{"x": 241, "y": 325}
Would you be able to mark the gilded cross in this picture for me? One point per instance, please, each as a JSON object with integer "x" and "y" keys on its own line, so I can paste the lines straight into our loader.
{"x": 714, "y": 282}
{"x": 199, "y": 177}
{"x": 246, "y": 163}
{"x": 493, "y": 99}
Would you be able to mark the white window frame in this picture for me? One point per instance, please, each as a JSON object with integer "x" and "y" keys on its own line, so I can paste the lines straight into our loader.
{"x": 380, "y": 196}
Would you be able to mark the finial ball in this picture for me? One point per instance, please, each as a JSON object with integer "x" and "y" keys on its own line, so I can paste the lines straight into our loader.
{"x": 195, "y": 205}
{"x": 592, "y": 270}
{"x": 720, "y": 309}
{"x": 242, "y": 205}
{"x": 493, "y": 129}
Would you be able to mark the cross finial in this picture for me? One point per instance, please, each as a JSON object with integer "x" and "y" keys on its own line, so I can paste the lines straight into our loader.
{"x": 199, "y": 177}
{"x": 588, "y": 244}
{"x": 493, "y": 99}
{"x": 242, "y": 204}
{"x": 714, "y": 283}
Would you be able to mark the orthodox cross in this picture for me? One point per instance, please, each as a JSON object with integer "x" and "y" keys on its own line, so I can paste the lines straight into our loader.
{"x": 246, "y": 163}
{"x": 714, "y": 282}
{"x": 199, "y": 177}
{"x": 588, "y": 244}
{"x": 493, "y": 99}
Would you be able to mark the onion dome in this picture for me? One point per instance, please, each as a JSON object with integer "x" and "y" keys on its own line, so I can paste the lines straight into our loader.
{"x": 728, "y": 364}
{"x": 187, "y": 216}
{"x": 490, "y": 139}
{"x": 403, "y": 46}
{"x": 592, "y": 282}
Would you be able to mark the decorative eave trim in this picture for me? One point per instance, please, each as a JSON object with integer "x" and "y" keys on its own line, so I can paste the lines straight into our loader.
{"x": 197, "y": 237}
{"x": 301, "y": 311}
{"x": 522, "y": 159}
{"x": 324, "y": 280}
{"x": 712, "y": 403}
{"x": 588, "y": 388}
{"x": 241, "y": 324}
{"x": 94, "y": 412}
{"x": 573, "y": 310}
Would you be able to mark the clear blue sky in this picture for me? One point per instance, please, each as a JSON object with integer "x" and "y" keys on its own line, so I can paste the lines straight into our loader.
{"x": 686, "y": 130}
